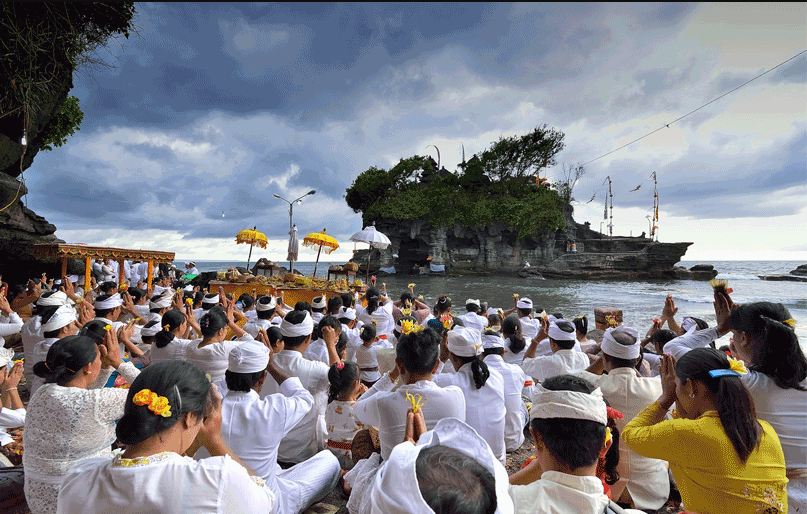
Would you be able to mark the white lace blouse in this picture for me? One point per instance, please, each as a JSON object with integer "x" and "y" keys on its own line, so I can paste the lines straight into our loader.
{"x": 65, "y": 425}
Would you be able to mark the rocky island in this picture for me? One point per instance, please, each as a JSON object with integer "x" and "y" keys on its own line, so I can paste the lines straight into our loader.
{"x": 495, "y": 215}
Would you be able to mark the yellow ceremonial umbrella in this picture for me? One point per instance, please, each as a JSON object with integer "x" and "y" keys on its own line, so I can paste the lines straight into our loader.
{"x": 322, "y": 240}
{"x": 252, "y": 237}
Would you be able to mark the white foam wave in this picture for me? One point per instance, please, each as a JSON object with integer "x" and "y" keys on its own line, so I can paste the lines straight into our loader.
{"x": 737, "y": 276}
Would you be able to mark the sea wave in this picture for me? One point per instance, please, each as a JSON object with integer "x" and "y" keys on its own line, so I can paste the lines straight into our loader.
{"x": 737, "y": 276}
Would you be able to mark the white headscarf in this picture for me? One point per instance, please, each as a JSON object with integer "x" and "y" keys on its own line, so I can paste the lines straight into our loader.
{"x": 304, "y": 328}
{"x": 163, "y": 301}
{"x": 6, "y": 354}
{"x": 465, "y": 342}
{"x": 471, "y": 301}
{"x": 248, "y": 357}
{"x": 57, "y": 298}
{"x": 150, "y": 329}
{"x": 689, "y": 325}
{"x": 265, "y": 303}
{"x": 559, "y": 335}
{"x": 548, "y": 404}
{"x": 524, "y": 303}
{"x": 211, "y": 299}
{"x": 63, "y": 316}
{"x": 109, "y": 303}
{"x": 611, "y": 347}
{"x": 492, "y": 341}
{"x": 320, "y": 302}
{"x": 347, "y": 313}
{"x": 395, "y": 489}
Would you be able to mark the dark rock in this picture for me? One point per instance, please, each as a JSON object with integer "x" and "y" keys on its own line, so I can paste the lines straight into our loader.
{"x": 696, "y": 272}
{"x": 530, "y": 273}
{"x": 702, "y": 267}
{"x": 783, "y": 278}
{"x": 800, "y": 271}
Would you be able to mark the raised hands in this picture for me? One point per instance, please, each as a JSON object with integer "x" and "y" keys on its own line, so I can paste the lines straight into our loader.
{"x": 667, "y": 375}
{"x": 415, "y": 426}
{"x": 110, "y": 350}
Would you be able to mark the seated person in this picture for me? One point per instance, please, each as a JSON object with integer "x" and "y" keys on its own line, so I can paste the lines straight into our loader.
{"x": 564, "y": 359}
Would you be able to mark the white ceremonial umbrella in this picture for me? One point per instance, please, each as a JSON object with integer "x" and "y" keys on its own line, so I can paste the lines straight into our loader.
{"x": 294, "y": 248}
{"x": 372, "y": 237}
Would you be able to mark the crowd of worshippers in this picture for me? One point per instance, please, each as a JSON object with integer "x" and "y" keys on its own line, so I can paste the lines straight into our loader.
{"x": 186, "y": 401}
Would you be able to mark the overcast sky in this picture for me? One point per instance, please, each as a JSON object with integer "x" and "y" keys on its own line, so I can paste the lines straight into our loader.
{"x": 212, "y": 108}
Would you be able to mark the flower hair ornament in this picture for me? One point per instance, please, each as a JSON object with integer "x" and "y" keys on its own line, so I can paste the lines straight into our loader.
{"x": 340, "y": 365}
{"x": 157, "y": 404}
{"x": 406, "y": 311}
{"x": 410, "y": 327}
{"x": 416, "y": 401}
{"x": 737, "y": 365}
{"x": 790, "y": 322}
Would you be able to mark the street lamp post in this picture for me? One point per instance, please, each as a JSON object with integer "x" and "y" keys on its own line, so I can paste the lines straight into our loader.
{"x": 291, "y": 216}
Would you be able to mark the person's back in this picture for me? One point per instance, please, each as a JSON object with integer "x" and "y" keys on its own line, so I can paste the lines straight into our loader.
{"x": 514, "y": 380}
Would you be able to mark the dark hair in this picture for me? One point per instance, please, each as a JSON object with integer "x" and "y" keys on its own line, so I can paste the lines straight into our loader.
{"x": 295, "y": 317}
{"x": 156, "y": 298}
{"x": 246, "y": 300}
{"x": 558, "y": 315}
{"x": 480, "y": 370}
{"x": 581, "y": 324}
{"x": 442, "y": 305}
{"x": 472, "y": 307}
{"x": 373, "y": 296}
{"x": 347, "y": 300}
{"x": 524, "y": 312}
{"x": 341, "y": 379}
{"x": 452, "y": 482}
{"x": 274, "y": 334}
{"x": 341, "y": 344}
{"x": 207, "y": 305}
{"x": 611, "y": 460}
{"x": 368, "y": 333}
{"x": 326, "y": 321}
{"x": 494, "y": 319}
{"x": 418, "y": 351}
{"x": 662, "y": 337}
{"x": 101, "y": 313}
{"x": 267, "y": 314}
{"x": 136, "y": 293}
{"x": 198, "y": 297}
{"x": 511, "y": 330}
{"x": 107, "y": 287}
{"x": 775, "y": 345}
{"x": 334, "y": 304}
{"x": 213, "y": 321}
{"x": 734, "y": 404}
{"x": 95, "y": 330}
{"x": 242, "y": 381}
{"x": 184, "y": 385}
{"x": 65, "y": 359}
{"x": 574, "y": 443}
{"x": 407, "y": 297}
{"x": 172, "y": 320}
{"x": 302, "y": 306}
{"x": 569, "y": 328}
{"x": 624, "y": 339}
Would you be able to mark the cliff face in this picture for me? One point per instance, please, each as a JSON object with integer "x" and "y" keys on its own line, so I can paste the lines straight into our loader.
{"x": 495, "y": 248}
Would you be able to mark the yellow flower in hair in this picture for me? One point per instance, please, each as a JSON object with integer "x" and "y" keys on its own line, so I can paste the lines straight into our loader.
{"x": 107, "y": 327}
{"x": 19, "y": 361}
{"x": 161, "y": 407}
{"x": 790, "y": 323}
{"x": 416, "y": 401}
{"x": 406, "y": 311}
{"x": 167, "y": 327}
{"x": 608, "y": 436}
{"x": 143, "y": 397}
{"x": 408, "y": 326}
{"x": 189, "y": 301}
{"x": 447, "y": 321}
{"x": 411, "y": 285}
{"x": 738, "y": 366}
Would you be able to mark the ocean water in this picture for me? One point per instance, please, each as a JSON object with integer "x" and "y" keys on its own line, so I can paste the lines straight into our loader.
{"x": 640, "y": 300}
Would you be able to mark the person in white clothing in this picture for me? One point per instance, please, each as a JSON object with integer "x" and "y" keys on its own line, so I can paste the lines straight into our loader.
{"x": 379, "y": 311}
{"x": 340, "y": 421}
{"x": 108, "y": 309}
{"x": 319, "y": 306}
{"x": 482, "y": 387}
{"x": 581, "y": 326}
{"x": 31, "y": 333}
{"x": 10, "y": 321}
{"x": 12, "y": 410}
{"x": 568, "y": 422}
{"x": 473, "y": 318}
{"x": 307, "y": 438}
{"x": 763, "y": 336}
{"x": 266, "y": 309}
{"x": 515, "y": 380}
{"x": 647, "y": 480}
{"x": 191, "y": 269}
{"x": 107, "y": 271}
{"x": 564, "y": 358}
{"x": 447, "y": 469}
{"x": 167, "y": 343}
{"x": 211, "y": 352}
{"x": 367, "y": 354}
{"x": 351, "y": 327}
{"x": 318, "y": 350}
{"x": 57, "y": 323}
{"x": 208, "y": 302}
{"x": 515, "y": 344}
{"x": 170, "y": 409}
{"x": 386, "y": 403}
{"x": 254, "y": 427}
{"x": 529, "y": 325}
{"x": 72, "y": 417}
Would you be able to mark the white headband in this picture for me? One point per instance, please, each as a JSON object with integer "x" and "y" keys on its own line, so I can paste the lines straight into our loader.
{"x": 396, "y": 487}
{"x": 260, "y": 306}
{"x": 72, "y": 278}
{"x": 319, "y": 303}
{"x": 164, "y": 301}
{"x": 611, "y": 347}
{"x": 688, "y": 324}
{"x": 248, "y": 357}
{"x": 465, "y": 342}
{"x": 304, "y": 328}
{"x": 109, "y": 303}
{"x": 57, "y": 298}
{"x": 471, "y": 301}
{"x": 188, "y": 288}
{"x": 524, "y": 303}
{"x": 63, "y": 316}
{"x": 548, "y": 404}
{"x": 559, "y": 335}
{"x": 150, "y": 329}
{"x": 211, "y": 299}
{"x": 492, "y": 341}
{"x": 347, "y": 313}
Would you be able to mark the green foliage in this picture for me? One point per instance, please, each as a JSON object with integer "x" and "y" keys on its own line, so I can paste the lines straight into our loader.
{"x": 64, "y": 124}
{"x": 495, "y": 186}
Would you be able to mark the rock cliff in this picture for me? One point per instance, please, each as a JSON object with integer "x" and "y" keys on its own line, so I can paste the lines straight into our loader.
{"x": 496, "y": 249}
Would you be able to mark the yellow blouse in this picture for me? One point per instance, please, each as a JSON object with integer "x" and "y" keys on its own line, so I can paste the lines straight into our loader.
{"x": 710, "y": 475}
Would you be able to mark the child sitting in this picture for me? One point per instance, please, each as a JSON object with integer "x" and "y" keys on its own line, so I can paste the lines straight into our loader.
{"x": 366, "y": 354}
{"x": 339, "y": 420}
